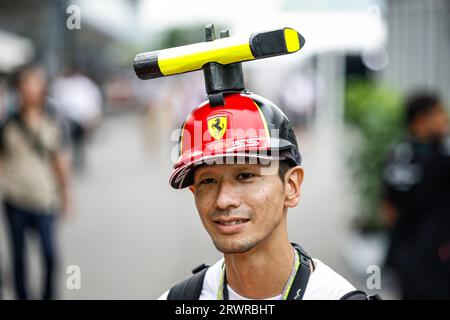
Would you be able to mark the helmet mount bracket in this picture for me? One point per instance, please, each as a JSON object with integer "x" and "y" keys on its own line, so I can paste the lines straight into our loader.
{"x": 221, "y": 78}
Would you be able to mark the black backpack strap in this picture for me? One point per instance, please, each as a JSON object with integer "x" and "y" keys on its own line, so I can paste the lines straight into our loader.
{"x": 191, "y": 288}
{"x": 359, "y": 295}
{"x": 301, "y": 279}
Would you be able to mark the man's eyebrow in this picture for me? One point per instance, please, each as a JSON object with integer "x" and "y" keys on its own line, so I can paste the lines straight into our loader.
{"x": 206, "y": 169}
{"x": 249, "y": 167}
{"x": 202, "y": 173}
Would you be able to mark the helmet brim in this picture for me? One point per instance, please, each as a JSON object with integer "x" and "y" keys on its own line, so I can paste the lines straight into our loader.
{"x": 183, "y": 176}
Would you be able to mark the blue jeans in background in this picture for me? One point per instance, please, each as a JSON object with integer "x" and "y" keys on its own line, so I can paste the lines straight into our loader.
{"x": 20, "y": 221}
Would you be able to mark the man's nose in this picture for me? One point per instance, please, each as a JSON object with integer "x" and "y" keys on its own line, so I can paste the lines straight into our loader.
{"x": 227, "y": 196}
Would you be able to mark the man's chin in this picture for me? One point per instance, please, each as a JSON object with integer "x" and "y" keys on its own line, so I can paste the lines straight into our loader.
{"x": 234, "y": 247}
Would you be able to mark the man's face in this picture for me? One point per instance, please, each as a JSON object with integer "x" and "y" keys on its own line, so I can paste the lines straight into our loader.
{"x": 240, "y": 205}
{"x": 437, "y": 122}
{"x": 33, "y": 87}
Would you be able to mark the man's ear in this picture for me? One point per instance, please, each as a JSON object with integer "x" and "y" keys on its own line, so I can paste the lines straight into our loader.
{"x": 192, "y": 188}
{"x": 292, "y": 183}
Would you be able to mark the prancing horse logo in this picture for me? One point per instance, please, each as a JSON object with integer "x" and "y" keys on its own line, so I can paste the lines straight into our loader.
{"x": 217, "y": 126}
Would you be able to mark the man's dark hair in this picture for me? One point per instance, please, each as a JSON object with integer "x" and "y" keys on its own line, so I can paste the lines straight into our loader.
{"x": 19, "y": 72}
{"x": 283, "y": 167}
{"x": 420, "y": 104}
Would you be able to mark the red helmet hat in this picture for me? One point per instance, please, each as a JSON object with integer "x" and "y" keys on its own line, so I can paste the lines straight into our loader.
{"x": 233, "y": 122}
{"x": 246, "y": 125}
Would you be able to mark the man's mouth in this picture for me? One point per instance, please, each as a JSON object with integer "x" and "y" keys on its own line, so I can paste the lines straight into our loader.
{"x": 231, "y": 225}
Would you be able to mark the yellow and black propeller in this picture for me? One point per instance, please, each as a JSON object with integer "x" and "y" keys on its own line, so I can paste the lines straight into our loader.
{"x": 220, "y": 59}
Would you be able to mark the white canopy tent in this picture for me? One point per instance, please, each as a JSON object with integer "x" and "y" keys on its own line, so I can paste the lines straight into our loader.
{"x": 15, "y": 50}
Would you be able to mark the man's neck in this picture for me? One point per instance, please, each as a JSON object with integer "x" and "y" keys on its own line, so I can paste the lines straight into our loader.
{"x": 263, "y": 271}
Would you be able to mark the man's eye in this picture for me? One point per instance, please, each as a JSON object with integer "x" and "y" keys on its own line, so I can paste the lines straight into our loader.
{"x": 207, "y": 181}
{"x": 245, "y": 175}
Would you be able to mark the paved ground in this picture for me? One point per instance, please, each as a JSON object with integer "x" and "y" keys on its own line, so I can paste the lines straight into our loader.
{"x": 133, "y": 236}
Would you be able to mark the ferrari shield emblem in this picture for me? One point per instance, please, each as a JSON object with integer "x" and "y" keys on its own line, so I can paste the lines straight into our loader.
{"x": 217, "y": 126}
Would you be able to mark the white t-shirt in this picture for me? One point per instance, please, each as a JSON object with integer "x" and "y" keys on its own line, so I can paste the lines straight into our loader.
{"x": 323, "y": 284}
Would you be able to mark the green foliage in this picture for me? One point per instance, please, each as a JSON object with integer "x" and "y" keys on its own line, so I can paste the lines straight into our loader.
{"x": 376, "y": 113}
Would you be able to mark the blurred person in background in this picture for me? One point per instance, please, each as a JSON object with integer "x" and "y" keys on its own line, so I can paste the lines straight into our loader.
{"x": 416, "y": 208}
{"x": 35, "y": 176}
{"x": 79, "y": 99}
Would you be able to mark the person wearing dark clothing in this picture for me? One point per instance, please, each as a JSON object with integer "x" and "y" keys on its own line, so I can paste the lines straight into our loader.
{"x": 416, "y": 185}
{"x": 35, "y": 177}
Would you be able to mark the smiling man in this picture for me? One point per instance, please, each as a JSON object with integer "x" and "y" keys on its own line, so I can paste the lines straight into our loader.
{"x": 240, "y": 159}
